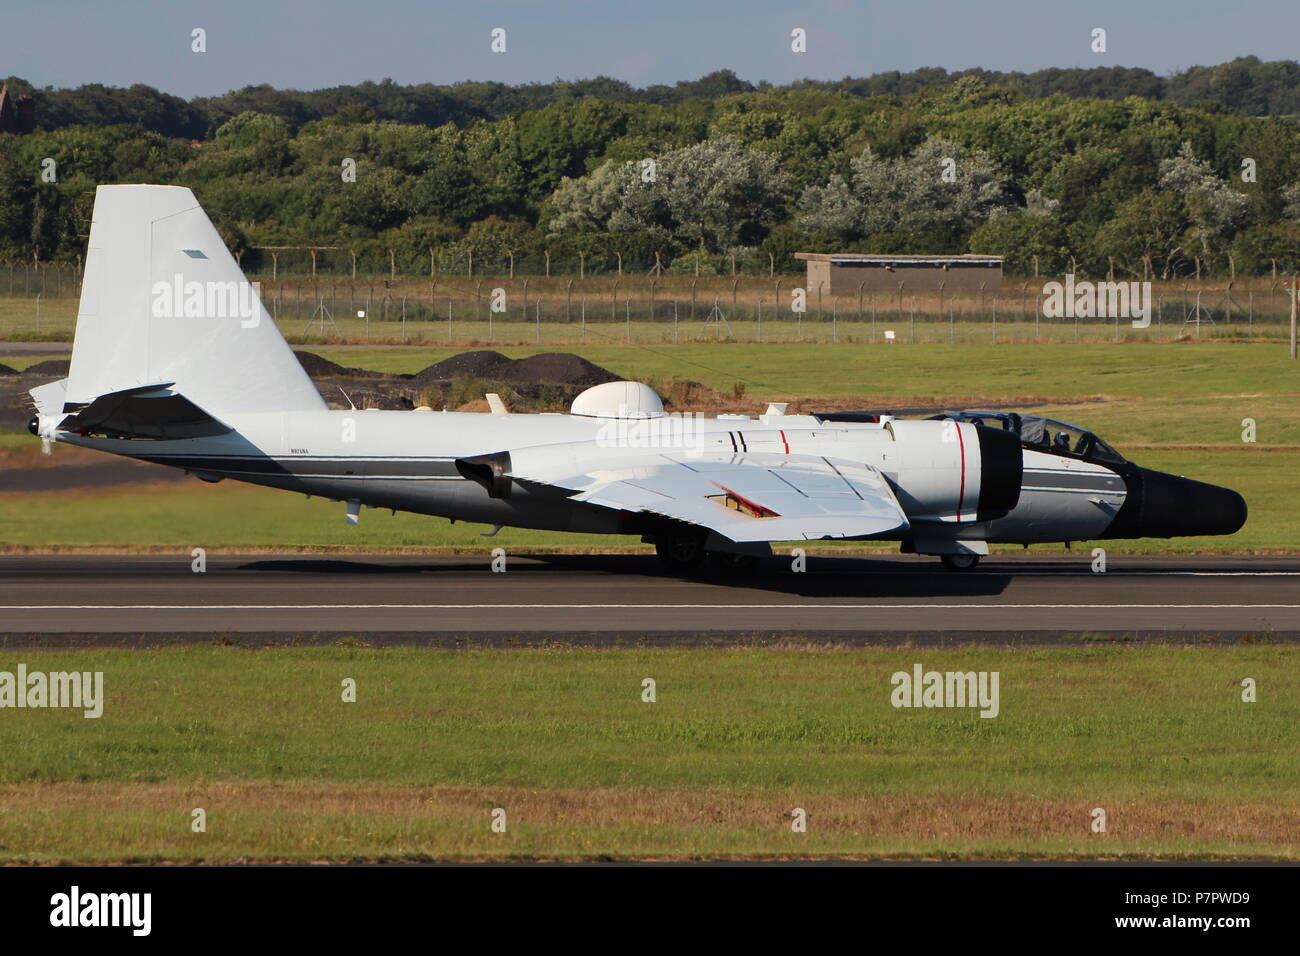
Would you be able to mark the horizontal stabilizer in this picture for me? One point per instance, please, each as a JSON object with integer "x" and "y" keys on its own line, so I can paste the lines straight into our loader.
{"x": 146, "y": 411}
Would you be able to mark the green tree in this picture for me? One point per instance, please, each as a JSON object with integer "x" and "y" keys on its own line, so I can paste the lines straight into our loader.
{"x": 1149, "y": 226}
{"x": 714, "y": 194}
{"x": 1028, "y": 240}
{"x": 1213, "y": 208}
{"x": 939, "y": 190}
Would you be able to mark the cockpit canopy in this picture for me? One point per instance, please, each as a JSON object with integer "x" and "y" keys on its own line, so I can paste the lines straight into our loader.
{"x": 1043, "y": 434}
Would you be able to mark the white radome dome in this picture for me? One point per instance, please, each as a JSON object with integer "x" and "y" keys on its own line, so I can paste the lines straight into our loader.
{"x": 618, "y": 400}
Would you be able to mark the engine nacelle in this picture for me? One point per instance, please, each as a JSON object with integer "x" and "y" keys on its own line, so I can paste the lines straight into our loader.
{"x": 953, "y": 471}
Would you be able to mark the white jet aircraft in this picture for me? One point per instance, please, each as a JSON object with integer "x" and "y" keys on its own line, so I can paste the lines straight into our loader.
{"x": 175, "y": 361}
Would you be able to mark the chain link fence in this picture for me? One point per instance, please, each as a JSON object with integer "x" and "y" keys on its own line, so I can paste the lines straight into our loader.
{"x": 39, "y": 301}
{"x": 461, "y": 260}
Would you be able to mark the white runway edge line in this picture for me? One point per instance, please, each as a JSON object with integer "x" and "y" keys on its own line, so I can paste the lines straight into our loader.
{"x": 1131, "y": 574}
{"x": 627, "y": 607}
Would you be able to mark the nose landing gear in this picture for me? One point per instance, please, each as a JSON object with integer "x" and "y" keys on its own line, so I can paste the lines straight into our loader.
{"x": 959, "y": 562}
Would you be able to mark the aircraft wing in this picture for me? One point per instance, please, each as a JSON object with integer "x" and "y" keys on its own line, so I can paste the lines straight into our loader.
{"x": 746, "y": 497}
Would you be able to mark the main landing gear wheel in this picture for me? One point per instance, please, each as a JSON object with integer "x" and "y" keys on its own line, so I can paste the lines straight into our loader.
{"x": 681, "y": 551}
{"x": 726, "y": 563}
{"x": 959, "y": 562}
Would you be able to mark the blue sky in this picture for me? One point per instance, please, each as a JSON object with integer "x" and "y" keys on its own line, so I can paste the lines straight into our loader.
{"x": 307, "y": 45}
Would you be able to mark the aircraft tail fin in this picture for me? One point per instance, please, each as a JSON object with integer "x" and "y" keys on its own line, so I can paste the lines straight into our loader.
{"x": 163, "y": 300}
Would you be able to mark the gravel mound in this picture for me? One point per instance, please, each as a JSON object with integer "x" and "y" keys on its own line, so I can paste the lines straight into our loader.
{"x": 545, "y": 368}
{"x": 49, "y": 367}
{"x": 484, "y": 363}
{"x": 317, "y": 367}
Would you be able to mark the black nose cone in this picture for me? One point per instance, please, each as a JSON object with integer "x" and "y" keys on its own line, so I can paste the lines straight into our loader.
{"x": 1169, "y": 506}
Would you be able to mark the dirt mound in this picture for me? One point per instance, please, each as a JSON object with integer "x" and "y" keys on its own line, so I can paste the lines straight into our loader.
{"x": 560, "y": 368}
{"x": 6, "y": 370}
{"x": 484, "y": 363}
{"x": 545, "y": 368}
{"x": 317, "y": 367}
{"x": 49, "y": 367}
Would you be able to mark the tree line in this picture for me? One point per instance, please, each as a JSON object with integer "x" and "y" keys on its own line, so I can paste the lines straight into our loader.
{"x": 1057, "y": 170}
{"x": 1247, "y": 86}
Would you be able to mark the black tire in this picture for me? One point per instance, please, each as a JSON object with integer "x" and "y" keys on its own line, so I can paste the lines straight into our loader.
{"x": 959, "y": 562}
{"x": 725, "y": 562}
{"x": 681, "y": 552}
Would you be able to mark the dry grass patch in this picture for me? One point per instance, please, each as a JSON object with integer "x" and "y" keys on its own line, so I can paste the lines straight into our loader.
{"x": 247, "y": 820}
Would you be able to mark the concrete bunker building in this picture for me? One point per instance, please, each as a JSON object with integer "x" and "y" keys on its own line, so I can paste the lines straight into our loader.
{"x": 842, "y": 273}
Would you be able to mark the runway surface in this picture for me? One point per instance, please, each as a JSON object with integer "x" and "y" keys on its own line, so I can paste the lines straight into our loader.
{"x": 67, "y": 600}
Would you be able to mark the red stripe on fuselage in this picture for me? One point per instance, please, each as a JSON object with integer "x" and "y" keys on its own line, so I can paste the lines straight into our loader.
{"x": 961, "y": 493}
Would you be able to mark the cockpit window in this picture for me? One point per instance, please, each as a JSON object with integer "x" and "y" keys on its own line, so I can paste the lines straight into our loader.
{"x": 1103, "y": 452}
{"x": 1063, "y": 438}
{"x": 1046, "y": 434}
{"x": 1032, "y": 431}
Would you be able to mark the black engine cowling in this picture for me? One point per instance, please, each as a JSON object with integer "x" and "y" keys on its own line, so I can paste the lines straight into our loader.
{"x": 1002, "y": 472}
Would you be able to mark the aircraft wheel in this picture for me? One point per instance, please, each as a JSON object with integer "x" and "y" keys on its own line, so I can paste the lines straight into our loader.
{"x": 959, "y": 562}
{"x": 681, "y": 552}
{"x": 725, "y": 562}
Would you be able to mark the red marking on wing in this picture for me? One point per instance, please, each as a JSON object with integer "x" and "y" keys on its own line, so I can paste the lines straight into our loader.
{"x": 759, "y": 510}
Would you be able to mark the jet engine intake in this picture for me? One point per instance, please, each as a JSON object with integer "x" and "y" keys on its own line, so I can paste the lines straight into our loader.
{"x": 1001, "y": 472}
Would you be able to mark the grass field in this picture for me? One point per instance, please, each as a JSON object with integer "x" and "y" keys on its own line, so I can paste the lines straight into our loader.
{"x": 1200, "y": 375}
{"x": 261, "y": 740}
{"x": 896, "y": 374}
